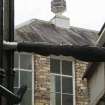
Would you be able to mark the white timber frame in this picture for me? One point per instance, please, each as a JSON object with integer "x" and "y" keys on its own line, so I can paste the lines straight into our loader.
{"x": 27, "y": 70}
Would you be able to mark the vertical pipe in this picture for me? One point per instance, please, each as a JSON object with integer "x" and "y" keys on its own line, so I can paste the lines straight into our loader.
{"x": 11, "y": 39}
{"x": 1, "y": 32}
{"x": 9, "y": 36}
{"x": 1, "y": 43}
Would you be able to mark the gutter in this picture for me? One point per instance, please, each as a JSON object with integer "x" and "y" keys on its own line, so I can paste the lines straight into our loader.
{"x": 84, "y": 53}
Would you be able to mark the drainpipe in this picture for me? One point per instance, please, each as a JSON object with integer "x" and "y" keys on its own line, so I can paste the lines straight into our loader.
{"x": 8, "y": 56}
{"x": 1, "y": 44}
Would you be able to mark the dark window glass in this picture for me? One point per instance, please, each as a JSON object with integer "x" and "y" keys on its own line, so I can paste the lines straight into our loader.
{"x": 55, "y": 83}
{"x": 16, "y": 84}
{"x": 25, "y": 61}
{"x": 55, "y": 66}
{"x": 27, "y": 99}
{"x": 55, "y": 99}
{"x": 67, "y": 85}
{"x": 66, "y": 68}
{"x": 58, "y": 99}
{"x": 26, "y": 78}
{"x": 16, "y": 60}
{"x": 67, "y": 99}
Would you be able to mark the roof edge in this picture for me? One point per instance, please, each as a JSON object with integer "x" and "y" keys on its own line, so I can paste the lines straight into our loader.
{"x": 100, "y": 32}
{"x": 92, "y": 66}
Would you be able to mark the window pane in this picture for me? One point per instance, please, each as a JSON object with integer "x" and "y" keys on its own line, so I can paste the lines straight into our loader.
{"x": 27, "y": 99}
{"x": 16, "y": 78}
{"x": 66, "y": 68}
{"x": 55, "y": 99}
{"x": 67, "y": 99}
{"x": 55, "y": 66}
{"x": 67, "y": 85}
{"x": 58, "y": 99}
{"x": 25, "y": 61}
{"x": 16, "y": 60}
{"x": 26, "y": 79}
{"x": 55, "y": 83}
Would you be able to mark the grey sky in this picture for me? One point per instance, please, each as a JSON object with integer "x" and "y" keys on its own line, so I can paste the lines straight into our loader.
{"x": 83, "y": 13}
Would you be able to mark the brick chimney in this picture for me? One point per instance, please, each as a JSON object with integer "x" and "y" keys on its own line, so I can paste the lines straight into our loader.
{"x": 58, "y": 7}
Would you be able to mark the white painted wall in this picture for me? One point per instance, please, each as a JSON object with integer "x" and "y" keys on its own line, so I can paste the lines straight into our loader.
{"x": 97, "y": 84}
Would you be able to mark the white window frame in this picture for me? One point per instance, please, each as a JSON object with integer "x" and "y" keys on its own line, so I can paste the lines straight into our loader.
{"x": 64, "y": 58}
{"x": 27, "y": 70}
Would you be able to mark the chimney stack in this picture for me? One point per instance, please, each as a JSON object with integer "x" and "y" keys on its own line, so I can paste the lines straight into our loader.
{"x": 58, "y": 7}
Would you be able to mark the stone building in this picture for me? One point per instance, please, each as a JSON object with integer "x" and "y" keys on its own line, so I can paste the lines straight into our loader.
{"x": 52, "y": 80}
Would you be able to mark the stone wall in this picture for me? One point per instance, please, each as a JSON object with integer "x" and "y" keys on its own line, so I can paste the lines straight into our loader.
{"x": 82, "y": 97}
{"x": 42, "y": 81}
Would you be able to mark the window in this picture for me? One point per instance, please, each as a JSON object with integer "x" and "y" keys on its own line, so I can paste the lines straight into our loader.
{"x": 61, "y": 81}
{"x": 24, "y": 76}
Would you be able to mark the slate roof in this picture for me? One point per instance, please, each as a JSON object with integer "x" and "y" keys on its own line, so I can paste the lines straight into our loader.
{"x": 42, "y": 31}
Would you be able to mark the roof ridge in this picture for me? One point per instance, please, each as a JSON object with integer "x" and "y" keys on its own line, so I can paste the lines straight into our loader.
{"x": 30, "y": 21}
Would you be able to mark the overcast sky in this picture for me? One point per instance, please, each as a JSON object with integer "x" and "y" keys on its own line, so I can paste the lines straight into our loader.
{"x": 82, "y": 13}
